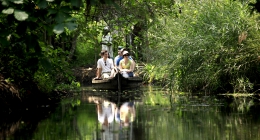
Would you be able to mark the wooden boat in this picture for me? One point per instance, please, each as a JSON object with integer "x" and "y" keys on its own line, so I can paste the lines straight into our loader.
{"x": 117, "y": 83}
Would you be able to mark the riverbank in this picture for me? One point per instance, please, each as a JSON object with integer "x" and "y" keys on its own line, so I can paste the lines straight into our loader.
{"x": 13, "y": 101}
{"x": 84, "y": 75}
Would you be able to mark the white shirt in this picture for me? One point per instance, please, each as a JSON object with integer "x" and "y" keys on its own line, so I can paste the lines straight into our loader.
{"x": 107, "y": 111}
{"x": 106, "y": 66}
{"x": 107, "y": 39}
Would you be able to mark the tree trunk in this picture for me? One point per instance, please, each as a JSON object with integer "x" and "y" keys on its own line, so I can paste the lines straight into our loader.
{"x": 73, "y": 45}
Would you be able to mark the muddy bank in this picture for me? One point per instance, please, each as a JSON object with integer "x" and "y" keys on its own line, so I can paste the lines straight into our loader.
{"x": 84, "y": 75}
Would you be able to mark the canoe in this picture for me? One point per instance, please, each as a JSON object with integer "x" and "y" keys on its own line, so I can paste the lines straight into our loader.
{"x": 117, "y": 83}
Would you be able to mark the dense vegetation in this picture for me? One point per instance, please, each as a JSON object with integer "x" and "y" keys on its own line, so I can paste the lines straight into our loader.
{"x": 209, "y": 46}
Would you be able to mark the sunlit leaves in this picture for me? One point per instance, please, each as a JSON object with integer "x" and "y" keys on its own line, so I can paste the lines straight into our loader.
{"x": 20, "y": 15}
{"x": 59, "y": 28}
{"x": 205, "y": 45}
{"x": 8, "y": 11}
{"x": 5, "y": 2}
{"x": 17, "y": 1}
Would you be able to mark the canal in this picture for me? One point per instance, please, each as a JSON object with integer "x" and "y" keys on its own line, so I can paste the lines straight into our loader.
{"x": 146, "y": 114}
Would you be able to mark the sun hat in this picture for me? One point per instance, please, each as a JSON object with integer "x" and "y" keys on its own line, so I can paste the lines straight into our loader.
{"x": 125, "y": 52}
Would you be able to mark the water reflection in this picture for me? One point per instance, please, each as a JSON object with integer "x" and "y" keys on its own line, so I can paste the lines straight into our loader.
{"x": 152, "y": 115}
{"x": 115, "y": 119}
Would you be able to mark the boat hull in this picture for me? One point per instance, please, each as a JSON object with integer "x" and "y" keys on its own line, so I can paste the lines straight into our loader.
{"x": 117, "y": 83}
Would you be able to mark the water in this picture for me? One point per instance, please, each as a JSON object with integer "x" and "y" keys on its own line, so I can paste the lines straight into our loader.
{"x": 149, "y": 114}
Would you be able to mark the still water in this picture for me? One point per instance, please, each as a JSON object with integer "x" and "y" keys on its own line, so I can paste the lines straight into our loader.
{"x": 146, "y": 114}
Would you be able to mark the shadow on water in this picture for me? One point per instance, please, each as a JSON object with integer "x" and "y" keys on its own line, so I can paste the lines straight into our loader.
{"x": 146, "y": 114}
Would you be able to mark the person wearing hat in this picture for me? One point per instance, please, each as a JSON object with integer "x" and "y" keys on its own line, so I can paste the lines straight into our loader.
{"x": 121, "y": 57}
{"x": 119, "y": 50}
{"x": 106, "y": 42}
{"x": 126, "y": 66}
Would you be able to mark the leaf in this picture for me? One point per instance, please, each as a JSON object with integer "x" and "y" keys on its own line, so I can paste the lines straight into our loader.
{"x": 76, "y": 3}
{"x": 8, "y": 11}
{"x": 50, "y": 0}
{"x": 71, "y": 26}
{"x": 65, "y": 9}
{"x": 4, "y": 42}
{"x": 59, "y": 28}
{"x": 45, "y": 62}
{"x": 17, "y": 1}
{"x": 43, "y": 4}
{"x": 52, "y": 11}
{"x": 20, "y": 15}
{"x": 5, "y": 2}
{"x": 60, "y": 17}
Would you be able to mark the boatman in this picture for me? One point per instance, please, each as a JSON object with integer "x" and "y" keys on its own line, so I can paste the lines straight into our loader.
{"x": 106, "y": 42}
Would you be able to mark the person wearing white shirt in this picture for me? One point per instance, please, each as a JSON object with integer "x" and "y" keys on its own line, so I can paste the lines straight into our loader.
{"x": 105, "y": 66}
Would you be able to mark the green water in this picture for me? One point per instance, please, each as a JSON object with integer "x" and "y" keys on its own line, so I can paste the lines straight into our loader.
{"x": 148, "y": 114}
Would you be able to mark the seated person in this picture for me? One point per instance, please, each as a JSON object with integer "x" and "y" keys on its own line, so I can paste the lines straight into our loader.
{"x": 105, "y": 66}
{"x": 126, "y": 66}
{"x": 121, "y": 57}
{"x": 119, "y": 54}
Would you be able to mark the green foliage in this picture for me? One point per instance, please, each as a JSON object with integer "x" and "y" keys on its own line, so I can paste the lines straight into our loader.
{"x": 88, "y": 45}
{"x": 68, "y": 87}
{"x": 55, "y": 71}
{"x": 207, "y": 47}
{"x": 71, "y": 114}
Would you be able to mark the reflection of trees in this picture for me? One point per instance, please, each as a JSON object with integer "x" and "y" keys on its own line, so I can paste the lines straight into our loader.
{"x": 242, "y": 103}
{"x": 74, "y": 118}
{"x": 22, "y": 125}
{"x": 198, "y": 117}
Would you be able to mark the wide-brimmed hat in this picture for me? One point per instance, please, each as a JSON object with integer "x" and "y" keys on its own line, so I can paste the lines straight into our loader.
{"x": 125, "y": 52}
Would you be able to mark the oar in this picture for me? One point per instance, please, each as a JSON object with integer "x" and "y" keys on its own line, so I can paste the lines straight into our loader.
{"x": 119, "y": 82}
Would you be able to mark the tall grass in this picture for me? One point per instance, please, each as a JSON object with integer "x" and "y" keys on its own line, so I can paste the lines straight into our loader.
{"x": 210, "y": 46}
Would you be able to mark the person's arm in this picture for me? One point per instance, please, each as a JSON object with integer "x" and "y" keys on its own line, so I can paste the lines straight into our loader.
{"x": 112, "y": 64}
{"x": 132, "y": 62}
{"x": 99, "y": 69}
{"x": 120, "y": 67}
{"x": 99, "y": 73}
{"x": 132, "y": 66}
